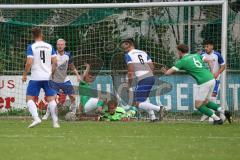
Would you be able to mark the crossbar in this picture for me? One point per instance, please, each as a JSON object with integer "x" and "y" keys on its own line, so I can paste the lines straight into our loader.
{"x": 111, "y": 5}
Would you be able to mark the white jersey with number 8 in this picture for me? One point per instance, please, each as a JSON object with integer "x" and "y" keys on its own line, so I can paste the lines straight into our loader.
{"x": 42, "y": 53}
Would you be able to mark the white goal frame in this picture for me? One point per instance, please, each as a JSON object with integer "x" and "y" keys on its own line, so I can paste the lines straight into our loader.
{"x": 222, "y": 3}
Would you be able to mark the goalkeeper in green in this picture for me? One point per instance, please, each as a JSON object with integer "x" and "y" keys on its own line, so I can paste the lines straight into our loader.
{"x": 193, "y": 65}
{"x": 117, "y": 113}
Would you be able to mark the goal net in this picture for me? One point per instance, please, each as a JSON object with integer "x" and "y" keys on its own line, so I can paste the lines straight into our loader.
{"x": 93, "y": 35}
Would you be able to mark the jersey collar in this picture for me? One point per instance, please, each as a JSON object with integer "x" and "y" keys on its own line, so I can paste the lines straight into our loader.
{"x": 60, "y": 54}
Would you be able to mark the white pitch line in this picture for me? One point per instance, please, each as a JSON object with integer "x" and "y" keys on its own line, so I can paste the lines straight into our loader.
{"x": 29, "y": 136}
{"x": 135, "y": 137}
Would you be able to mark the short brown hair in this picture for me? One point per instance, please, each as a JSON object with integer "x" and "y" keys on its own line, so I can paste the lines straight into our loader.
{"x": 183, "y": 48}
{"x": 36, "y": 32}
{"x": 112, "y": 102}
{"x": 129, "y": 40}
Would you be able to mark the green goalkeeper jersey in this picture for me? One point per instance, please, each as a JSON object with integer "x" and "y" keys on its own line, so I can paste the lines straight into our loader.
{"x": 194, "y": 65}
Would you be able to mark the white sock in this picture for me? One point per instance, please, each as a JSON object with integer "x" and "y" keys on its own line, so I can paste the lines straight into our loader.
{"x": 32, "y": 109}
{"x": 73, "y": 107}
{"x": 148, "y": 106}
{"x": 221, "y": 110}
{"x": 215, "y": 117}
{"x": 47, "y": 111}
{"x": 151, "y": 114}
{"x": 53, "y": 110}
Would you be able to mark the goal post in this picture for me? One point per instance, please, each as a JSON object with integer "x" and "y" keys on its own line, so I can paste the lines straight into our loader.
{"x": 99, "y": 29}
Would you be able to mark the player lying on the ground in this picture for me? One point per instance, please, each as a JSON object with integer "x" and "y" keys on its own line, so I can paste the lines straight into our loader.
{"x": 117, "y": 113}
{"x": 217, "y": 66}
{"x": 41, "y": 59}
{"x": 193, "y": 64}
{"x": 88, "y": 103}
{"x": 141, "y": 68}
{"x": 60, "y": 81}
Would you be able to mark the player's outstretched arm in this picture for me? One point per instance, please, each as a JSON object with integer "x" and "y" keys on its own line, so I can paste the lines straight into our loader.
{"x": 168, "y": 71}
{"x": 27, "y": 68}
{"x": 74, "y": 70}
{"x": 85, "y": 73}
{"x": 151, "y": 65}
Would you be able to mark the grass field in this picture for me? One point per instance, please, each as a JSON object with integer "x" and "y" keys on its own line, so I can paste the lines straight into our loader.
{"x": 126, "y": 141}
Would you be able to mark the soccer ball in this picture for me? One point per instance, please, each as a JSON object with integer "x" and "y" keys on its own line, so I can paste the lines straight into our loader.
{"x": 70, "y": 116}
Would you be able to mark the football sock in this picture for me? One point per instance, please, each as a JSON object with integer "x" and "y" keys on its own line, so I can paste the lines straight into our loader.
{"x": 53, "y": 110}
{"x": 148, "y": 106}
{"x": 151, "y": 115}
{"x": 214, "y": 106}
{"x": 32, "y": 109}
{"x": 47, "y": 111}
{"x": 73, "y": 107}
{"x": 205, "y": 110}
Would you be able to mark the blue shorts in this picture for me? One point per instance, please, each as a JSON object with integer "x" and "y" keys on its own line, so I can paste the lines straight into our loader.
{"x": 66, "y": 87}
{"x": 34, "y": 88}
{"x": 143, "y": 89}
{"x": 216, "y": 87}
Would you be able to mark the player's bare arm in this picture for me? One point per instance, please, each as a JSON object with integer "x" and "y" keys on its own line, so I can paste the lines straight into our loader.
{"x": 27, "y": 68}
{"x": 74, "y": 71}
{"x": 85, "y": 73}
{"x": 167, "y": 71}
{"x": 222, "y": 68}
{"x": 130, "y": 74}
{"x": 54, "y": 64}
{"x": 151, "y": 65}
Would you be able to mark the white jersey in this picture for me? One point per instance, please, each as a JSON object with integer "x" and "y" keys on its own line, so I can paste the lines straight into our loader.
{"x": 140, "y": 59}
{"x": 42, "y": 53}
{"x": 63, "y": 61}
{"x": 216, "y": 60}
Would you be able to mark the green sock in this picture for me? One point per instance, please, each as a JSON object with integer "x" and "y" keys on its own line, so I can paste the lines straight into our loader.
{"x": 213, "y": 106}
{"x": 205, "y": 110}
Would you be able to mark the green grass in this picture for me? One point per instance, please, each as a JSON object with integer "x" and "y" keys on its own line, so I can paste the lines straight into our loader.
{"x": 113, "y": 141}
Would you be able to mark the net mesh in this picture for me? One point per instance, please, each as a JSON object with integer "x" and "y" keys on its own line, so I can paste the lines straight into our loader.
{"x": 98, "y": 32}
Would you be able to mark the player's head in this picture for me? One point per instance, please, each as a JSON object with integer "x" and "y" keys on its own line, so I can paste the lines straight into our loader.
{"x": 37, "y": 34}
{"x": 112, "y": 105}
{"x": 208, "y": 46}
{"x": 128, "y": 44}
{"x": 61, "y": 44}
{"x": 89, "y": 77}
{"x": 182, "y": 50}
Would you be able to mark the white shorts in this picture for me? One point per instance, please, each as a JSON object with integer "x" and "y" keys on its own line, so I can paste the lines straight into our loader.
{"x": 204, "y": 91}
{"x": 90, "y": 105}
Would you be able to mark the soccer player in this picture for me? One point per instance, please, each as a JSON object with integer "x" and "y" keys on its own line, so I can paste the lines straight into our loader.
{"x": 140, "y": 67}
{"x": 88, "y": 102}
{"x": 217, "y": 66}
{"x": 60, "y": 81}
{"x": 41, "y": 59}
{"x": 193, "y": 64}
{"x": 116, "y": 113}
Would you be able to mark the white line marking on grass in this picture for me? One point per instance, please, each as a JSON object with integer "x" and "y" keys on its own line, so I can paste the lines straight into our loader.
{"x": 180, "y": 137}
{"x": 30, "y": 136}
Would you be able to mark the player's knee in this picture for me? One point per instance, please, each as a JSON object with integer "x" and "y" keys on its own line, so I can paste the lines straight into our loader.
{"x": 52, "y": 103}
{"x": 50, "y": 98}
{"x": 136, "y": 104}
{"x": 72, "y": 98}
{"x": 198, "y": 104}
{"x": 29, "y": 98}
{"x": 214, "y": 94}
{"x": 205, "y": 102}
